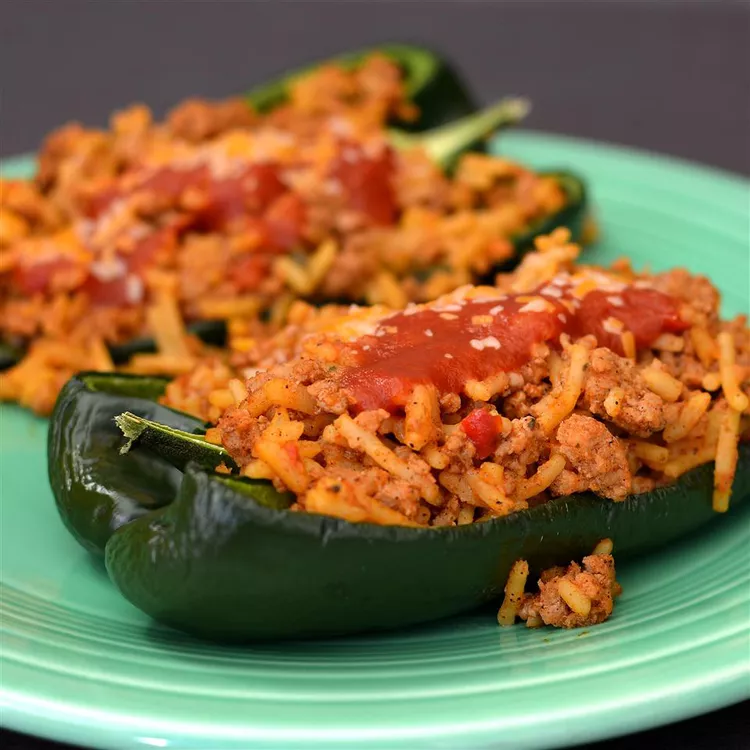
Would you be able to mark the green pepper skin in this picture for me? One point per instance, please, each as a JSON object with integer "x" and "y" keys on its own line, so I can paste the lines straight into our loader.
{"x": 9, "y": 355}
{"x": 96, "y": 489}
{"x": 430, "y": 83}
{"x": 218, "y": 564}
{"x": 222, "y": 558}
{"x": 571, "y": 216}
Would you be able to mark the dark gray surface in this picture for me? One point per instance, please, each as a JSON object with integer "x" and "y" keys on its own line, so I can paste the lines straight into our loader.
{"x": 666, "y": 76}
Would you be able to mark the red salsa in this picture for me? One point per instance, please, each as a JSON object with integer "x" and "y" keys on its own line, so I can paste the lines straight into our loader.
{"x": 255, "y": 198}
{"x": 252, "y": 198}
{"x": 221, "y": 199}
{"x": 482, "y": 428}
{"x": 366, "y": 180}
{"x": 32, "y": 275}
{"x": 450, "y": 344}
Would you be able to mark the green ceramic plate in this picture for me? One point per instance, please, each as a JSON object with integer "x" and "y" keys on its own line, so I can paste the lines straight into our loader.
{"x": 80, "y": 664}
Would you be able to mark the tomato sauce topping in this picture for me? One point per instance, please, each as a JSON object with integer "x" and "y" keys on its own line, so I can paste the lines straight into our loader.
{"x": 249, "y": 271}
{"x": 647, "y": 313}
{"x": 450, "y": 344}
{"x": 33, "y": 275}
{"x": 161, "y": 242}
{"x": 367, "y": 182}
{"x": 222, "y": 199}
{"x": 254, "y": 198}
{"x": 114, "y": 292}
{"x": 285, "y": 221}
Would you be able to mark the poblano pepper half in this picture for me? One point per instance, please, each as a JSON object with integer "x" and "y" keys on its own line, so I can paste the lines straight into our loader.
{"x": 223, "y": 557}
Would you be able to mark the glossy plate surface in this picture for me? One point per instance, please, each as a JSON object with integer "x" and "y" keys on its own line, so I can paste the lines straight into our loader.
{"x": 80, "y": 664}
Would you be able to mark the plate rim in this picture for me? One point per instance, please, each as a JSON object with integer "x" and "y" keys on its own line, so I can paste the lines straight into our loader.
{"x": 19, "y": 714}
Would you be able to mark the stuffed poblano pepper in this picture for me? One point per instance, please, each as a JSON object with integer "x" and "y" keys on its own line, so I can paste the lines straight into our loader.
{"x": 352, "y": 181}
{"x": 368, "y": 468}
{"x": 431, "y": 93}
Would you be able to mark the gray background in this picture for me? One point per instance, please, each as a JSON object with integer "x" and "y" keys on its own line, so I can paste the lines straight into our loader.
{"x": 666, "y": 76}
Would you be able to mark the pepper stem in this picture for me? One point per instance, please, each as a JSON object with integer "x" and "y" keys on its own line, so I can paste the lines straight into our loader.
{"x": 445, "y": 143}
{"x": 176, "y": 446}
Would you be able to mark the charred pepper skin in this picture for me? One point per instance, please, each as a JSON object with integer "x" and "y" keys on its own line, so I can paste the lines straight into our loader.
{"x": 572, "y": 215}
{"x": 96, "y": 489}
{"x": 9, "y": 355}
{"x": 224, "y": 558}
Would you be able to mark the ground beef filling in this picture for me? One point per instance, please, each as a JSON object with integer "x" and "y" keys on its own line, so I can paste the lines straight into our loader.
{"x": 573, "y": 597}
